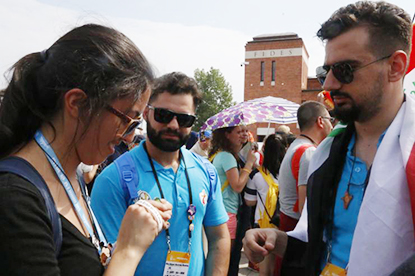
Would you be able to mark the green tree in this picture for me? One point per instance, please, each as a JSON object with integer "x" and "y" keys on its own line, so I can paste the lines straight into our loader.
{"x": 217, "y": 95}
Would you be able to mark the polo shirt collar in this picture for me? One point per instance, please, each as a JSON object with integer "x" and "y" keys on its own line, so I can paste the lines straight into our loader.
{"x": 143, "y": 160}
{"x": 353, "y": 141}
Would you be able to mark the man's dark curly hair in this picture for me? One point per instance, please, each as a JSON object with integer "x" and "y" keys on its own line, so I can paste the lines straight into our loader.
{"x": 390, "y": 27}
{"x": 176, "y": 83}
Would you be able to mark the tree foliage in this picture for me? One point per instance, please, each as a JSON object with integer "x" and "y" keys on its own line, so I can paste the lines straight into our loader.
{"x": 217, "y": 95}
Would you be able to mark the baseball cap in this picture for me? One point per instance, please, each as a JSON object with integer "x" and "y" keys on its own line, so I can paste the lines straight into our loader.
{"x": 205, "y": 134}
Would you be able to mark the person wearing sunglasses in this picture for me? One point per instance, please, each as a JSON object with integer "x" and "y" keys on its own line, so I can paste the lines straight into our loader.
{"x": 360, "y": 210}
{"x": 71, "y": 103}
{"x": 164, "y": 169}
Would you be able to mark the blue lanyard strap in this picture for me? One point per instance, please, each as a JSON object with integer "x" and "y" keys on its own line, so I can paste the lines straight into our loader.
{"x": 57, "y": 167}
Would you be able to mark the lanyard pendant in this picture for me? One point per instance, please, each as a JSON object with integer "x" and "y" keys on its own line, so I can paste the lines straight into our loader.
{"x": 95, "y": 242}
{"x": 191, "y": 212}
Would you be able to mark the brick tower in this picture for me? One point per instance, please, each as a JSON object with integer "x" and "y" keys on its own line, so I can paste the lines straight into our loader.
{"x": 277, "y": 65}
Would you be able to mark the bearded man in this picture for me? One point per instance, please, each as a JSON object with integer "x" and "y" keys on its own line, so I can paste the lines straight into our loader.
{"x": 360, "y": 210}
{"x": 163, "y": 169}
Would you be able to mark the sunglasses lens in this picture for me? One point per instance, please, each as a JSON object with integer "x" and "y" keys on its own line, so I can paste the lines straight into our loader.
{"x": 163, "y": 116}
{"x": 321, "y": 73}
{"x": 132, "y": 127}
{"x": 343, "y": 72}
{"x": 185, "y": 120}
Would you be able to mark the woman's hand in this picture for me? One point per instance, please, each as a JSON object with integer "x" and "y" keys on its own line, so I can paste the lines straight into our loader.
{"x": 165, "y": 210}
{"x": 250, "y": 160}
{"x": 139, "y": 228}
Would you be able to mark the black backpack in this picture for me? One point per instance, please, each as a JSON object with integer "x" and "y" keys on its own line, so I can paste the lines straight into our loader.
{"x": 22, "y": 168}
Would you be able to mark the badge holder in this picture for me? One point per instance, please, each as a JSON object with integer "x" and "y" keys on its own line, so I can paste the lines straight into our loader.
{"x": 177, "y": 263}
{"x": 333, "y": 270}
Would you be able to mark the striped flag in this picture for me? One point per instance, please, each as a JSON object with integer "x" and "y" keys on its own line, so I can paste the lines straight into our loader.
{"x": 409, "y": 83}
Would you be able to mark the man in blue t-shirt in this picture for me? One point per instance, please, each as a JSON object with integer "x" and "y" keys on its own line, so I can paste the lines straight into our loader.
{"x": 166, "y": 170}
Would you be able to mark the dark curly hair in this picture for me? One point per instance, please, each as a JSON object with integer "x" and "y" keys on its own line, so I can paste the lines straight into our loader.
{"x": 390, "y": 27}
{"x": 220, "y": 142}
{"x": 176, "y": 83}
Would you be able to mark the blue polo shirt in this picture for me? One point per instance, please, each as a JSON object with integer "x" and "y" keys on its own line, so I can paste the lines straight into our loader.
{"x": 109, "y": 202}
{"x": 345, "y": 220}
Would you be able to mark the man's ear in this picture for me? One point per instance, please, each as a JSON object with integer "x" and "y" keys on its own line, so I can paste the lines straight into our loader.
{"x": 145, "y": 113}
{"x": 398, "y": 63}
{"x": 73, "y": 100}
{"x": 320, "y": 122}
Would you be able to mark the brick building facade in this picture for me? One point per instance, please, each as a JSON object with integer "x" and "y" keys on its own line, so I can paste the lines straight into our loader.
{"x": 277, "y": 65}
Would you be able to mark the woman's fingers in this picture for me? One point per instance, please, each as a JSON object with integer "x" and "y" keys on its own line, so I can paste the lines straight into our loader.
{"x": 164, "y": 207}
{"x": 153, "y": 211}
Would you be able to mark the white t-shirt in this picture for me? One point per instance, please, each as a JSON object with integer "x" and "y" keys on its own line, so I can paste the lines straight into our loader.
{"x": 287, "y": 184}
{"x": 198, "y": 150}
{"x": 258, "y": 184}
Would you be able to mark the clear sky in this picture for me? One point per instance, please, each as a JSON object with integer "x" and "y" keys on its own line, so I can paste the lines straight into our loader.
{"x": 179, "y": 35}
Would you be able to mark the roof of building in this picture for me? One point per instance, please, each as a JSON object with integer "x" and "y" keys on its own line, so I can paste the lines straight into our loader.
{"x": 279, "y": 36}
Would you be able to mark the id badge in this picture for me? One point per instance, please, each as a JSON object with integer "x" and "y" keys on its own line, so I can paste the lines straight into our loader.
{"x": 333, "y": 270}
{"x": 177, "y": 263}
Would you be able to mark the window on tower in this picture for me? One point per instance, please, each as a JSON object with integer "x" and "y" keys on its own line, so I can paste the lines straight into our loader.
{"x": 273, "y": 71}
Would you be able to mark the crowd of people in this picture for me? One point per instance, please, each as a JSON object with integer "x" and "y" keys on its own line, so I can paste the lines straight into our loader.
{"x": 82, "y": 193}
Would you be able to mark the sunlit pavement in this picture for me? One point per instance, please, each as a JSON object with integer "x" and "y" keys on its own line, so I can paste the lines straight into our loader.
{"x": 243, "y": 267}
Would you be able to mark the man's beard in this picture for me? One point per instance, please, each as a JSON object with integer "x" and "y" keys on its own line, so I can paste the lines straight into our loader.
{"x": 166, "y": 145}
{"x": 346, "y": 114}
{"x": 363, "y": 112}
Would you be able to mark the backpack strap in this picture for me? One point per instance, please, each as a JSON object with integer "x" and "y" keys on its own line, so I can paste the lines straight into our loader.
{"x": 25, "y": 170}
{"x": 213, "y": 156}
{"x": 128, "y": 176}
{"x": 226, "y": 183}
{"x": 295, "y": 168}
{"x": 271, "y": 198}
{"x": 210, "y": 169}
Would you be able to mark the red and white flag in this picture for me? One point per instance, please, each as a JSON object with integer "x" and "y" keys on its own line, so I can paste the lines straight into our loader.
{"x": 409, "y": 83}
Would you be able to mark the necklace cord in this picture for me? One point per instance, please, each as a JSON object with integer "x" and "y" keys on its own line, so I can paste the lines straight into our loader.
{"x": 161, "y": 190}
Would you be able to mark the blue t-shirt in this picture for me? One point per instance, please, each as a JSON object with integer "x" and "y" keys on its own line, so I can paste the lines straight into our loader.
{"x": 223, "y": 162}
{"x": 110, "y": 201}
{"x": 345, "y": 220}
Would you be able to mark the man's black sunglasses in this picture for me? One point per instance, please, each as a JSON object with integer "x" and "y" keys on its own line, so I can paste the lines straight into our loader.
{"x": 342, "y": 71}
{"x": 164, "y": 116}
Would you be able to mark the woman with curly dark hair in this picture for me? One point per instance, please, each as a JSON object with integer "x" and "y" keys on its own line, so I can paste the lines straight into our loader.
{"x": 226, "y": 143}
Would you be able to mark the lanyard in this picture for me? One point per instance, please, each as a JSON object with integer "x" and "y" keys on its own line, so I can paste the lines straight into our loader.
{"x": 191, "y": 210}
{"x": 309, "y": 138}
{"x": 54, "y": 162}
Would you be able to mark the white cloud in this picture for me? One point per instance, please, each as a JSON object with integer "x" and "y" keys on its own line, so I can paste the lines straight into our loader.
{"x": 174, "y": 47}
{"x": 28, "y": 26}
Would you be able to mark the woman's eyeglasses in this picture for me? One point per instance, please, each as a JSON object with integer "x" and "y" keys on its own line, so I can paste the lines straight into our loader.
{"x": 342, "y": 71}
{"x": 164, "y": 116}
{"x": 131, "y": 123}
